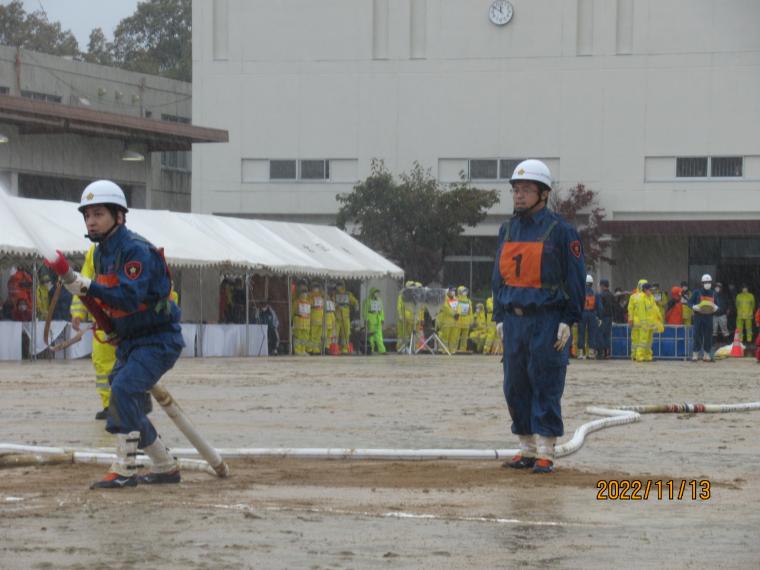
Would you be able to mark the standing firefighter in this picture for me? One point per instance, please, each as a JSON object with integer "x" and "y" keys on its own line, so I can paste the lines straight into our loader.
{"x": 703, "y": 304}
{"x": 131, "y": 283}
{"x": 538, "y": 287}
{"x": 464, "y": 322}
{"x": 103, "y": 353}
{"x": 745, "y": 308}
{"x": 374, "y": 316}
{"x": 301, "y": 314}
{"x": 344, "y": 300}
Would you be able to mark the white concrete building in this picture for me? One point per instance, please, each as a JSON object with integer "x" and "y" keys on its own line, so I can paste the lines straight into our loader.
{"x": 655, "y": 104}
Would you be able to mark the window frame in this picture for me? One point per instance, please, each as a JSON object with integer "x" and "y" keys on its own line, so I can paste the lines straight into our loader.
{"x": 708, "y": 168}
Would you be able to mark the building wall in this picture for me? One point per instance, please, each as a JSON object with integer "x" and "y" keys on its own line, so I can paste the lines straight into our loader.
{"x": 82, "y": 159}
{"x": 608, "y": 92}
{"x": 641, "y": 257}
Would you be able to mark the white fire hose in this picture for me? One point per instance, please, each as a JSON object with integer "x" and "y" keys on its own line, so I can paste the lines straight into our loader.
{"x": 615, "y": 416}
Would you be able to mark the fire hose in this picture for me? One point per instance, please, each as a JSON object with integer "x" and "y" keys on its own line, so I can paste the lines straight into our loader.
{"x": 614, "y": 416}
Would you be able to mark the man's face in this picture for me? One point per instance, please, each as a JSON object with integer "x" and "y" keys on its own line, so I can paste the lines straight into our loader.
{"x": 524, "y": 194}
{"x": 98, "y": 220}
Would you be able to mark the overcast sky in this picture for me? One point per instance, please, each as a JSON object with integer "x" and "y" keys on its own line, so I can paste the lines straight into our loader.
{"x": 81, "y": 16}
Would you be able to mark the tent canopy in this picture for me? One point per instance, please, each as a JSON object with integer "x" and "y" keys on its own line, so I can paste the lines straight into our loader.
{"x": 204, "y": 240}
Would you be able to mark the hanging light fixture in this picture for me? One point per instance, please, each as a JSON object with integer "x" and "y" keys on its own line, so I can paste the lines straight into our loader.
{"x": 131, "y": 154}
{"x": 3, "y": 138}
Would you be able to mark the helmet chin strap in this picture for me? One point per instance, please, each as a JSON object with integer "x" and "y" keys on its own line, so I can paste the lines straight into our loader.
{"x": 524, "y": 212}
{"x": 98, "y": 238}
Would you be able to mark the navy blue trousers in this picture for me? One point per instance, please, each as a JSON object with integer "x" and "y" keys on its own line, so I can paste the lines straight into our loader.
{"x": 534, "y": 373}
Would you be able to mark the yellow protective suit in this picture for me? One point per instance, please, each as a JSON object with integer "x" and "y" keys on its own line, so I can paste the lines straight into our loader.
{"x": 330, "y": 331}
{"x": 745, "y": 309}
{"x": 488, "y": 346}
{"x": 464, "y": 323}
{"x": 644, "y": 314}
{"x": 446, "y": 324}
{"x": 317, "y": 317}
{"x": 103, "y": 354}
{"x": 301, "y": 313}
{"x": 479, "y": 329}
{"x": 404, "y": 320}
{"x": 344, "y": 300}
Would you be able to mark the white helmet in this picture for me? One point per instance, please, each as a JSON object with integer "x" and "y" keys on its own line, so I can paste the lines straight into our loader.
{"x": 534, "y": 170}
{"x": 589, "y": 280}
{"x": 102, "y": 192}
{"x": 706, "y": 278}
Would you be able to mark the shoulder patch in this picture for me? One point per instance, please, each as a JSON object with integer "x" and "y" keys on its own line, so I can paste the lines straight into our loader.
{"x": 575, "y": 248}
{"x": 133, "y": 269}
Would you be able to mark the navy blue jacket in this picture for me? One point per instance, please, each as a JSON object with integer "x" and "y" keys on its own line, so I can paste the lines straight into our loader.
{"x": 133, "y": 283}
{"x": 563, "y": 270}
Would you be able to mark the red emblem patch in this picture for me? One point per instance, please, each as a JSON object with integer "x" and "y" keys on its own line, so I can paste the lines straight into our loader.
{"x": 575, "y": 248}
{"x": 133, "y": 270}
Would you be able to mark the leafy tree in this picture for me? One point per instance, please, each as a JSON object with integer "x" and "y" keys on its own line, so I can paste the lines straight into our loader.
{"x": 33, "y": 31}
{"x": 580, "y": 206}
{"x": 412, "y": 221}
{"x": 99, "y": 50}
{"x": 156, "y": 39}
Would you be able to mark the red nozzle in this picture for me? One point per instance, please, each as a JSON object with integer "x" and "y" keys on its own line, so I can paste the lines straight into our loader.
{"x": 60, "y": 266}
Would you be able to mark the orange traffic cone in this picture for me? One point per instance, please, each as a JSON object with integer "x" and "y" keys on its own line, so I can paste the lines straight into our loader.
{"x": 334, "y": 349}
{"x": 737, "y": 350}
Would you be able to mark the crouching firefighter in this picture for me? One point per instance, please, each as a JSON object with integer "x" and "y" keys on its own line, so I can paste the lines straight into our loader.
{"x": 131, "y": 283}
{"x": 538, "y": 290}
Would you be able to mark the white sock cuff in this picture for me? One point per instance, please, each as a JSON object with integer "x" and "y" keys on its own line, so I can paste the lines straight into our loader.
{"x": 527, "y": 445}
{"x": 159, "y": 456}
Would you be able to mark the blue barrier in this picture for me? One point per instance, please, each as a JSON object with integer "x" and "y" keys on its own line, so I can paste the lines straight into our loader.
{"x": 674, "y": 343}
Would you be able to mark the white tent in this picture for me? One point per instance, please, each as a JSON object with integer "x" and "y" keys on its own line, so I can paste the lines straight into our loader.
{"x": 202, "y": 240}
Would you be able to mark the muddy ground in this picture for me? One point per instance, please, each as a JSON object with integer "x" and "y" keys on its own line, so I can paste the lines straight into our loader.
{"x": 278, "y": 513}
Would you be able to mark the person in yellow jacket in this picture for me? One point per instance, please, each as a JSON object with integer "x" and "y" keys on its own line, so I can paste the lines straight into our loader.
{"x": 446, "y": 321}
{"x": 43, "y": 294}
{"x": 488, "y": 346}
{"x": 331, "y": 339}
{"x": 479, "y": 328}
{"x": 301, "y": 314}
{"x": 317, "y": 317}
{"x": 464, "y": 310}
{"x": 374, "y": 316}
{"x": 404, "y": 319}
{"x": 344, "y": 300}
{"x": 645, "y": 316}
{"x": 103, "y": 353}
{"x": 635, "y": 331}
{"x": 745, "y": 309}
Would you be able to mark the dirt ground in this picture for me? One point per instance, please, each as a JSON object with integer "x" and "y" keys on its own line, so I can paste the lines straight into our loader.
{"x": 278, "y": 513}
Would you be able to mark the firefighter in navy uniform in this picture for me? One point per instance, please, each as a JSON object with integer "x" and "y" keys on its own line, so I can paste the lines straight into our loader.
{"x": 538, "y": 288}
{"x": 132, "y": 285}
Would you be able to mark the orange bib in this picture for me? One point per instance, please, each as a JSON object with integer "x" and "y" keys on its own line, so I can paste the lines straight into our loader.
{"x": 590, "y": 303}
{"x": 520, "y": 263}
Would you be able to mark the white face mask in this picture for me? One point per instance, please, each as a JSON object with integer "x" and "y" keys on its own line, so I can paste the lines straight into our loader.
{"x": 717, "y": 289}
{"x": 707, "y": 286}
{"x": 745, "y": 290}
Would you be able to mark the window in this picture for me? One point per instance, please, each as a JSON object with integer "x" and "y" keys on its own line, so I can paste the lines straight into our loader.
{"x": 691, "y": 167}
{"x": 507, "y": 167}
{"x": 282, "y": 169}
{"x": 37, "y": 96}
{"x": 176, "y": 160}
{"x": 315, "y": 170}
{"x": 175, "y": 119}
{"x": 726, "y": 166}
{"x": 484, "y": 169}
{"x": 4, "y": 90}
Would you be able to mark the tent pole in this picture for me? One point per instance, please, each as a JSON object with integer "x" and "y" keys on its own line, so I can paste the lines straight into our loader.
{"x": 247, "y": 320}
{"x": 290, "y": 319}
{"x": 324, "y": 317}
{"x": 33, "y": 331}
{"x": 199, "y": 336}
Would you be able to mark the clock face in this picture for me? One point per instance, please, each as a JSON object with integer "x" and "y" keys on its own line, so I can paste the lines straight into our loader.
{"x": 500, "y": 12}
